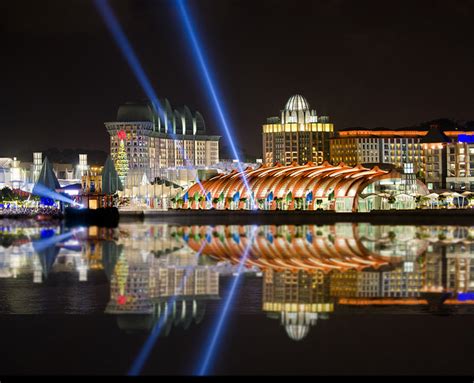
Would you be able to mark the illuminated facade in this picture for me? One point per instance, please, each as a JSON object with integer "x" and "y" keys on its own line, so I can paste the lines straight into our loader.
{"x": 16, "y": 174}
{"x": 154, "y": 143}
{"x": 307, "y": 187}
{"x": 299, "y": 135}
{"x": 441, "y": 157}
{"x": 460, "y": 164}
{"x": 362, "y": 146}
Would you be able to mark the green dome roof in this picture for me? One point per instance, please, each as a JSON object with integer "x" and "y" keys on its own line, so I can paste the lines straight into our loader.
{"x": 135, "y": 111}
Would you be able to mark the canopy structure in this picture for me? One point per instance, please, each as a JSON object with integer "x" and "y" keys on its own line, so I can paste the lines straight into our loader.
{"x": 325, "y": 181}
{"x": 110, "y": 180}
{"x": 47, "y": 178}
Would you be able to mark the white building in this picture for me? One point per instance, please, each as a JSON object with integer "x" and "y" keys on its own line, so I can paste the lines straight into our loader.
{"x": 156, "y": 142}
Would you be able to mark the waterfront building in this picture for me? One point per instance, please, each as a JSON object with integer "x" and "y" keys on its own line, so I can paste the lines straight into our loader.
{"x": 16, "y": 174}
{"x": 307, "y": 187}
{"x": 154, "y": 143}
{"x": 355, "y": 146}
{"x": 297, "y": 135}
{"x": 438, "y": 155}
{"x": 460, "y": 163}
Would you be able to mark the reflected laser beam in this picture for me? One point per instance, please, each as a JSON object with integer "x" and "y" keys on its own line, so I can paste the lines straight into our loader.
{"x": 208, "y": 80}
{"x": 43, "y": 244}
{"x": 145, "y": 351}
{"x": 211, "y": 348}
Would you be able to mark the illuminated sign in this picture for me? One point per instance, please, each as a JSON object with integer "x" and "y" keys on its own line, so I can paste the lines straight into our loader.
{"x": 468, "y": 139}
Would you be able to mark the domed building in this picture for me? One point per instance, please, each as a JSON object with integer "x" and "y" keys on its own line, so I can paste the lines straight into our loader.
{"x": 155, "y": 141}
{"x": 298, "y": 135}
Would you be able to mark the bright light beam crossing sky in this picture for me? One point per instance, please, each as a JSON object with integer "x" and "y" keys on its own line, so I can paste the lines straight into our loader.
{"x": 130, "y": 56}
{"x": 209, "y": 82}
{"x": 128, "y": 53}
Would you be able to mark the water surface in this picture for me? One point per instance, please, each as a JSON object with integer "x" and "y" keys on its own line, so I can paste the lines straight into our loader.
{"x": 269, "y": 299}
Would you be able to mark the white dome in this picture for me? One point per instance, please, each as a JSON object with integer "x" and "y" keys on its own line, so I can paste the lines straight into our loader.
{"x": 297, "y": 102}
{"x": 297, "y": 331}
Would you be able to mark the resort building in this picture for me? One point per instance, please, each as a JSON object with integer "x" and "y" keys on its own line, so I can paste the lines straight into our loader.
{"x": 378, "y": 146}
{"x": 16, "y": 174}
{"x": 438, "y": 155}
{"x": 459, "y": 164}
{"x": 297, "y": 135}
{"x": 307, "y": 187}
{"x": 149, "y": 142}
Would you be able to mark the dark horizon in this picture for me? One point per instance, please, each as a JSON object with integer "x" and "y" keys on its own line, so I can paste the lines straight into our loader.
{"x": 363, "y": 64}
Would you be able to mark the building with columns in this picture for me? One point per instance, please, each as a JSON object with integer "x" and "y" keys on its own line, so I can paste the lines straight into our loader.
{"x": 298, "y": 135}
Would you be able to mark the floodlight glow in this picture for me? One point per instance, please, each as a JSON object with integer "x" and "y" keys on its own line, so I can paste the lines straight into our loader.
{"x": 210, "y": 349}
{"x": 218, "y": 108}
{"x": 42, "y": 191}
{"x": 142, "y": 357}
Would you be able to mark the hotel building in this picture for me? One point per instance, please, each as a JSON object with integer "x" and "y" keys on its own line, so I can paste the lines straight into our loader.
{"x": 460, "y": 164}
{"x": 298, "y": 135}
{"x": 177, "y": 138}
{"x": 440, "y": 156}
{"x": 378, "y": 146}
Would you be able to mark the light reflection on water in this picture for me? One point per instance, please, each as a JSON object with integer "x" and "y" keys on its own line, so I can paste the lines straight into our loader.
{"x": 307, "y": 272}
{"x": 298, "y": 278}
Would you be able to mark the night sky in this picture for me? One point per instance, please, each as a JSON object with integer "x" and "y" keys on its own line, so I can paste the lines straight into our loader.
{"x": 363, "y": 63}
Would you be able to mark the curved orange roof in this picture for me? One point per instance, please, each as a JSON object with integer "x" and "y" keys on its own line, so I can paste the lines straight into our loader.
{"x": 321, "y": 180}
{"x": 286, "y": 253}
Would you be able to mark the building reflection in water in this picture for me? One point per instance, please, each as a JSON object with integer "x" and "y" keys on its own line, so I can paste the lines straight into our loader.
{"x": 308, "y": 272}
{"x": 311, "y": 271}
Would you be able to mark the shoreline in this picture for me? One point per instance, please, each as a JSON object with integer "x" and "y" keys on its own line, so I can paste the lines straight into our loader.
{"x": 242, "y": 217}
{"x": 462, "y": 217}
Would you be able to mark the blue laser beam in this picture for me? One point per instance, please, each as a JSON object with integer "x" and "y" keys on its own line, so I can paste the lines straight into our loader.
{"x": 43, "y": 244}
{"x": 42, "y": 191}
{"x": 211, "y": 348}
{"x": 128, "y": 53}
{"x": 145, "y": 351}
{"x": 209, "y": 82}
{"x": 130, "y": 56}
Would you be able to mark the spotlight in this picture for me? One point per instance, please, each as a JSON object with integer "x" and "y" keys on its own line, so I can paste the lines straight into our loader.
{"x": 42, "y": 191}
{"x": 209, "y": 82}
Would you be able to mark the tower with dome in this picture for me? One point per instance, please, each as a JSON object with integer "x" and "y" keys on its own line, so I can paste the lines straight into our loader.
{"x": 297, "y": 135}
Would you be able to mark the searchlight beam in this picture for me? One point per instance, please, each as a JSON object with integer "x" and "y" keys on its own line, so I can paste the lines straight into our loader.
{"x": 209, "y": 82}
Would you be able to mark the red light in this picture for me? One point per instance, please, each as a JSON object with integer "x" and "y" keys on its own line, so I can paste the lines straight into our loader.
{"x": 122, "y": 299}
{"x": 122, "y": 135}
